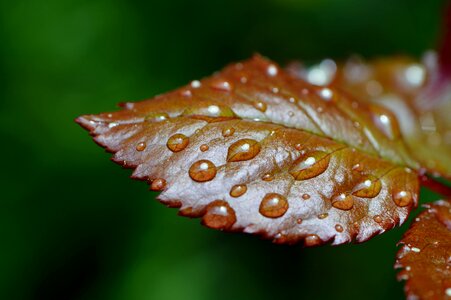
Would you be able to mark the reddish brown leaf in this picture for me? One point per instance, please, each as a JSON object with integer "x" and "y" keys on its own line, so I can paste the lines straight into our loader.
{"x": 425, "y": 257}
{"x": 255, "y": 149}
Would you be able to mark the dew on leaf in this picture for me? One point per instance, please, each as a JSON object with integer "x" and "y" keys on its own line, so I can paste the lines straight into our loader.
{"x": 243, "y": 149}
{"x": 273, "y": 205}
{"x": 177, "y": 142}
{"x": 202, "y": 170}
{"x": 219, "y": 215}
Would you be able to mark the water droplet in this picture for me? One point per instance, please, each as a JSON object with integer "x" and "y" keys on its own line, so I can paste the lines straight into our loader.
{"x": 312, "y": 240}
{"x": 377, "y": 219}
{"x": 369, "y": 187}
{"x": 323, "y": 216}
{"x": 177, "y": 142}
{"x": 226, "y": 132}
{"x": 186, "y": 93}
{"x": 156, "y": 117}
{"x": 343, "y": 202}
{"x": 261, "y": 106}
{"x": 219, "y": 215}
{"x": 238, "y": 190}
{"x": 202, "y": 170}
{"x": 402, "y": 198}
{"x": 292, "y": 100}
{"x": 326, "y": 94}
{"x": 268, "y": 177}
{"x": 210, "y": 113}
{"x": 339, "y": 228}
{"x": 310, "y": 165}
{"x": 305, "y": 196}
{"x": 299, "y": 221}
{"x": 195, "y": 84}
{"x": 298, "y": 147}
{"x": 357, "y": 168}
{"x": 112, "y": 124}
{"x": 273, "y": 205}
{"x": 204, "y": 147}
{"x": 415, "y": 75}
{"x": 385, "y": 122}
{"x": 141, "y": 146}
{"x": 243, "y": 79}
{"x": 272, "y": 70}
{"x": 221, "y": 85}
{"x": 290, "y": 113}
{"x": 158, "y": 184}
{"x": 244, "y": 149}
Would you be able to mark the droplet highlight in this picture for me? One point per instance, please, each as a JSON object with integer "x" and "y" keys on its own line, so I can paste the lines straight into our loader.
{"x": 310, "y": 165}
{"x": 141, "y": 146}
{"x": 219, "y": 215}
{"x": 402, "y": 198}
{"x": 343, "y": 202}
{"x": 158, "y": 184}
{"x": 369, "y": 187}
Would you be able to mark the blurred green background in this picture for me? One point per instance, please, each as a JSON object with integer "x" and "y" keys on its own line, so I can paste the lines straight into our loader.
{"x": 73, "y": 226}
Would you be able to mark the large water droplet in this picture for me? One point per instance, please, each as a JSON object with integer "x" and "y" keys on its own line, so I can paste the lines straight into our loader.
{"x": 141, "y": 146}
{"x": 261, "y": 106}
{"x": 158, "y": 184}
{"x": 202, "y": 170}
{"x": 402, "y": 198}
{"x": 312, "y": 240}
{"x": 156, "y": 117}
{"x": 219, "y": 215}
{"x": 226, "y": 132}
{"x": 369, "y": 187}
{"x": 244, "y": 149}
{"x": 273, "y": 205}
{"x": 343, "y": 202}
{"x": 310, "y": 165}
{"x": 238, "y": 190}
{"x": 177, "y": 142}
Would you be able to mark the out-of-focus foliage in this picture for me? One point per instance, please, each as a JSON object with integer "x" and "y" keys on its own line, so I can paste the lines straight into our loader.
{"x": 68, "y": 231}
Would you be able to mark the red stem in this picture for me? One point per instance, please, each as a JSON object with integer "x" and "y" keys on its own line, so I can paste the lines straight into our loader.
{"x": 436, "y": 186}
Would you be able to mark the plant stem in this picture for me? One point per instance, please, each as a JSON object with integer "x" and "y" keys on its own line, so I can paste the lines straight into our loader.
{"x": 436, "y": 186}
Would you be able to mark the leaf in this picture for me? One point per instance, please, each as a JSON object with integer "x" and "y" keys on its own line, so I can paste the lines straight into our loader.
{"x": 419, "y": 97}
{"x": 254, "y": 149}
{"x": 425, "y": 257}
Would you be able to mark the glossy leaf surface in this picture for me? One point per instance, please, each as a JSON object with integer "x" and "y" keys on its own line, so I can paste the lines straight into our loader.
{"x": 255, "y": 149}
{"x": 425, "y": 257}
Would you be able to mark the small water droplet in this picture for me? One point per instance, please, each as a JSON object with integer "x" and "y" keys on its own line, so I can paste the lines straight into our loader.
{"x": 156, "y": 117}
{"x": 202, "y": 170}
{"x": 210, "y": 113}
{"x": 273, "y": 205}
{"x": 204, "y": 147}
{"x": 141, "y": 146}
{"x": 290, "y": 113}
{"x": 312, "y": 240}
{"x": 369, "y": 187}
{"x": 238, "y": 190}
{"x": 319, "y": 109}
{"x": 292, "y": 100}
{"x": 158, "y": 184}
{"x": 177, "y": 142}
{"x": 305, "y": 91}
{"x": 272, "y": 70}
{"x": 112, "y": 124}
{"x": 323, "y": 216}
{"x": 221, "y": 85}
{"x": 377, "y": 219}
{"x": 415, "y": 75}
{"x": 244, "y": 149}
{"x": 326, "y": 94}
{"x": 357, "y": 168}
{"x": 343, "y": 202}
{"x": 305, "y": 196}
{"x": 339, "y": 228}
{"x": 226, "y": 132}
{"x": 219, "y": 215}
{"x": 195, "y": 84}
{"x": 243, "y": 79}
{"x": 261, "y": 106}
{"x": 268, "y": 177}
{"x": 385, "y": 122}
{"x": 186, "y": 93}
{"x": 299, "y": 221}
{"x": 402, "y": 198}
{"x": 298, "y": 147}
{"x": 310, "y": 165}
